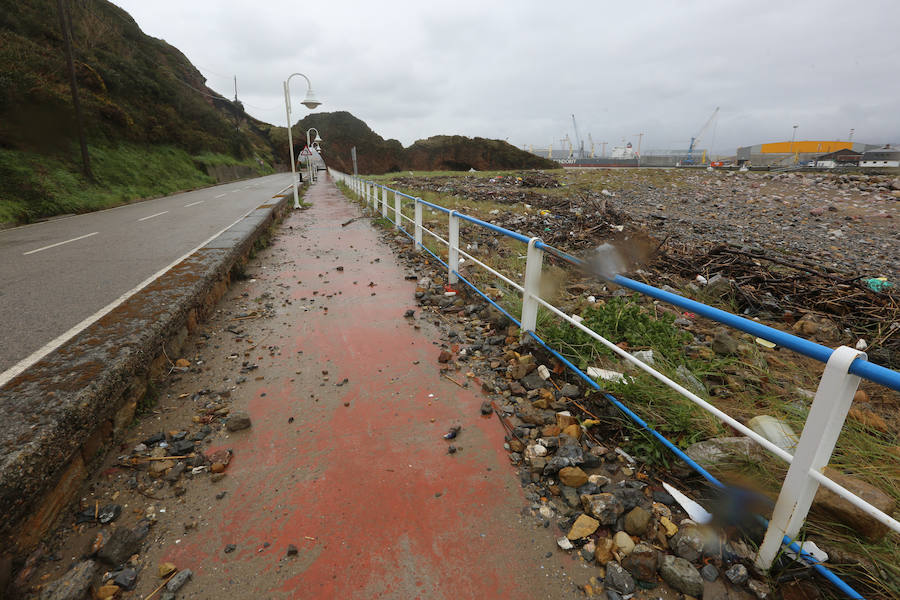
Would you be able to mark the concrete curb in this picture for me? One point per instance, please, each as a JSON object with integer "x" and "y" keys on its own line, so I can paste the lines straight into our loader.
{"x": 60, "y": 412}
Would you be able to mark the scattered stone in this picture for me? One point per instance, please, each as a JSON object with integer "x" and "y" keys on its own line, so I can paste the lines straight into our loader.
{"x": 569, "y": 390}
{"x": 688, "y": 543}
{"x": 642, "y": 562}
{"x": 624, "y": 543}
{"x": 126, "y": 579}
{"x": 73, "y": 585}
{"x": 681, "y": 575}
{"x": 603, "y": 550}
{"x": 604, "y": 507}
{"x": 444, "y": 356}
{"x": 165, "y": 569}
{"x": 724, "y": 343}
{"x": 229, "y": 548}
{"x": 107, "y": 591}
{"x": 637, "y": 521}
{"x": 709, "y": 572}
{"x": 486, "y": 407}
{"x": 760, "y": 589}
{"x": 564, "y": 543}
{"x": 121, "y": 545}
{"x": 583, "y": 527}
{"x": 109, "y": 513}
{"x": 573, "y": 477}
{"x": 618, "y": 579}
{"x": 737, "y": 574}
{"x": 179, "y": 580}
{"x": 237, "y": 421}
{"x": 292, "y": 550}
{"x": 861, "y": 522}
{"x": 670, "y": 527}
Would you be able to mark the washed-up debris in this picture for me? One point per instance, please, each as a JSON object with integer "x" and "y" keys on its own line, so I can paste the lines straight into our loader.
{"x": 453, "y": 432}
{"x": 696, "y": 512}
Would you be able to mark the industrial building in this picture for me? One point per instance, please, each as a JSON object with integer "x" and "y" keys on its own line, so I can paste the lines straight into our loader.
{"x": 797, "y": 152}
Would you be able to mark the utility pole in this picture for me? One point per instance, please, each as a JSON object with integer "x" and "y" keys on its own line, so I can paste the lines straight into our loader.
{"x": 65, "y": 24}
{"x": 235, "y": 88}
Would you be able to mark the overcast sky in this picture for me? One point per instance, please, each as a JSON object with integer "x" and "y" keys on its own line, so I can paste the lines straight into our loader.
{"x": 518, "y": 70}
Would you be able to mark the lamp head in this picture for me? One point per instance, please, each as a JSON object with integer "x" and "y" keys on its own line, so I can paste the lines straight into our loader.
{"x": 318, "y": 139}
{"x": 310, "y": 101}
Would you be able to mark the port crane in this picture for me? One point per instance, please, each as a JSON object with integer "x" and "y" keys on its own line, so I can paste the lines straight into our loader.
{"x": 578, "y": 140}
{"x": 695, "y": 141}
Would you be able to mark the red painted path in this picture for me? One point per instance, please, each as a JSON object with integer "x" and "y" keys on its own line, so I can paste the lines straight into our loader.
{"x": 367, "y": 492}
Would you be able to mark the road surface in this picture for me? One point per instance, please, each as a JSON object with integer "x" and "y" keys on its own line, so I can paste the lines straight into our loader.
{"x": 58, "y": 274}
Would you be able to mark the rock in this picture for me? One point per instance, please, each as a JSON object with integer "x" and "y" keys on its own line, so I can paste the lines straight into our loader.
{"x": 624, "y": 543}
{"x": 603, "y": 550}
{"x": 737, "y": 574}
{"x": 637, "y": 521}
{"x": 618, "y": 579}
{"x": 569, "y": 390}
{"x": 182, "y": 363}
{"x": 564, "y": 543}
{"x": 229, "y": 548}
{"x": 121, "y": 545}
{"x": 571, "y": 496}
{"x": 109, "y": 513}
{"x": 181, "y": 447}
{"x": 237, "y": 421}
{"x": 74, "y": 585}
{"x": 723, "y": 451}
{"x": 642, "y": 562}
{"x": 690, "y": 379}
{"x": 583, "y": 527}
{"x": 863, "y": 524}
{"x": 718, "y": 286}
{"x": 721, "y": 590}
{"x": 126, "y": 579}
{"x": 444, "y": 356}
{"x": 573, "y": 477}
{"x": 532, "y": 381}
{"x": 681, "y": 575}
{"x": 573, "y": 431}
{"x": 709, "y": 572}
{"x": 165, "y": 569}
{"x": 179, "y": 580}
{"x": 723, "y": 342}
{"x": 819, "y": 327}
{"x": 670, "y": 527}
{"x": 292, "y": 550}
{"x": 629, "y": 497}
{"x": 516, "y": 446}
{"x": 688, "y": 543}
{"x": 107, "y": 591}
{"x": 486, "y": 407}
{"x": 604, "y": 507}
{"x": 760, "y": 589}
{"x": 158, "y": 467}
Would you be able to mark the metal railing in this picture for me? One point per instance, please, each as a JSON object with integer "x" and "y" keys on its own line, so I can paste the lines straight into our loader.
{"x": 843, "y": 368}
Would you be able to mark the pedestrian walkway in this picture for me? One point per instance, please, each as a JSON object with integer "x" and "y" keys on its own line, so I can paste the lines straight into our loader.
{"x": 345, "y": 460}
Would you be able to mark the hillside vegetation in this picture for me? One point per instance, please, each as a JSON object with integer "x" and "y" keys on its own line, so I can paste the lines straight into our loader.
{"x": 151, "y": 122}
{"x": 375, "y": 155}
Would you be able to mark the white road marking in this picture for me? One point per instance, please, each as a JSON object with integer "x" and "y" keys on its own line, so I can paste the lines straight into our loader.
{"x": 61, "y": 339}
{"x": 194, "y": 203}
{"x": 151, "y": 216}
{"x": 236, "y": 192}
{"x": 81, "y": 237}
{"x": 220, "y": 195}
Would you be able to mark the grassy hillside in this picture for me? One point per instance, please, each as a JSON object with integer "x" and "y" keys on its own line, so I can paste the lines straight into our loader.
{"x": 147, "y": 110}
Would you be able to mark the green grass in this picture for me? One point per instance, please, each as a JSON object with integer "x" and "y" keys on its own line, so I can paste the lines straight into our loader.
{"x": 35, "y": 186}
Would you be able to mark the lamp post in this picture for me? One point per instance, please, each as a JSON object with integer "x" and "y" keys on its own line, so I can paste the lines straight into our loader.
{"x": 309, "y": 102}
{"x": 317, "y": 141}
{"x": 793, "y": 137}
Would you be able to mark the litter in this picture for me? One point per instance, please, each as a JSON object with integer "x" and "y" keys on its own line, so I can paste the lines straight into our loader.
{"x": 454, "y": 431}
{"x": 776, "y": 431}
{"x": 697, "y": 513}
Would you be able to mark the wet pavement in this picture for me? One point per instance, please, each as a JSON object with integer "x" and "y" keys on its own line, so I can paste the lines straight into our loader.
{"x": 345, "y": 459}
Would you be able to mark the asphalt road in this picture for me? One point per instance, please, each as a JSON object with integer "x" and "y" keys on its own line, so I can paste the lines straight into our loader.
{"x": 57, "y": 274}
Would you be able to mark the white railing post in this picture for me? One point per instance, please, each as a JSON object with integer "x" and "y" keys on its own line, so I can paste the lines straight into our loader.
{"x": 820, "y": 433}
{"x": 418, "y": 217}
{"x": 453, "y": 249}
{"x": 396, "y": 210}
{"x": 383, "y": 201}
{"x": 533, "y": 263}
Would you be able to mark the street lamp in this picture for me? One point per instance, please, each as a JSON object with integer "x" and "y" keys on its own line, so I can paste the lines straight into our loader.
{"x": 317, "y": 142}
{"x": 309, "y": 102}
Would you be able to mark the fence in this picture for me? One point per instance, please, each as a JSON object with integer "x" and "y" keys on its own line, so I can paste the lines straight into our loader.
{"x": 843, "y": 368}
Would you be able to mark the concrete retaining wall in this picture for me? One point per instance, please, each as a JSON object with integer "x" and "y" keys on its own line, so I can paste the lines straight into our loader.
{"x": 59, "y": 413}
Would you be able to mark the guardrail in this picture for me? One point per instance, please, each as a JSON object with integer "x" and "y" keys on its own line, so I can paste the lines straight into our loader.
{"x": 843, "y": 368}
